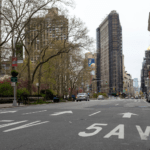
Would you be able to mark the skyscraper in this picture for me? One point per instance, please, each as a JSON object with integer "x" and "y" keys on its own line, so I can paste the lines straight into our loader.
{"x": 109, "y": 55}
{"x": 0, "y": 35}
{"x": 135, "y": 82}
{"x": 145, "y": 70}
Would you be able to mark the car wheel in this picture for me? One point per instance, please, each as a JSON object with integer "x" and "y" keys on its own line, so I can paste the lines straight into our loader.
{"x": 77, "y": 100}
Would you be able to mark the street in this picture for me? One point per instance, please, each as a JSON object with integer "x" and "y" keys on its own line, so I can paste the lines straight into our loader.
{"x": 113, "y": 124}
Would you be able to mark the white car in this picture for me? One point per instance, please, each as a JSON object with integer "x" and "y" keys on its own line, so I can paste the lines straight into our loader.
{"x": 82, "y": 97}
{"x": 100, "y": 97}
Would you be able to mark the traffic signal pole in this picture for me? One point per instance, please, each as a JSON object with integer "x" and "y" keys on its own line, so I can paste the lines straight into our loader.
{"x": 14, "y": 68}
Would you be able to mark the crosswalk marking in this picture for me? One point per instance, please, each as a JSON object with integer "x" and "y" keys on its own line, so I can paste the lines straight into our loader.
{"x": 26, "y": 125}
{"x": 10, "y": 124}
{"x": 138, "y": 101}
{"x": 6, "y": 120}
{"x": 4, "y": 112}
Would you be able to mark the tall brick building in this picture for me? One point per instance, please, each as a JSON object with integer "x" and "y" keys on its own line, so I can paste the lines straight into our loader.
{"x": 109, "y": 55}
{"x": 52, "y": 27}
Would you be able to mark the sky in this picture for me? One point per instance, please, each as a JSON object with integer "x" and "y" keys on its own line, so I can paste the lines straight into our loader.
{"x": 133, "y": 16}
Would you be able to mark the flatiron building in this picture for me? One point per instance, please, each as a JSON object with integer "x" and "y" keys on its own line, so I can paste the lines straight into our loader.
{"x": 109, "y": 72}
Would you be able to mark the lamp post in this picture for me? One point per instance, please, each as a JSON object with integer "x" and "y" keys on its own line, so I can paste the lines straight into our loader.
{"x": 37, "y": 84}
{"x": 14, "y": 68}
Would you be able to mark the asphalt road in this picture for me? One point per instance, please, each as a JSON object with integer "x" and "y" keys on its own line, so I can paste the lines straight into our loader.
{"x": 94, "y": 125}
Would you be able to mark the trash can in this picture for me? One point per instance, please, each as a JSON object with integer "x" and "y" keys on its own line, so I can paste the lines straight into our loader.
{"x": 73, "y": 97}
{"x": 55, "y": 99}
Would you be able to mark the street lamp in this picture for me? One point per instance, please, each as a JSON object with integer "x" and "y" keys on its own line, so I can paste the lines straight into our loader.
{"x": 37, "y": 84}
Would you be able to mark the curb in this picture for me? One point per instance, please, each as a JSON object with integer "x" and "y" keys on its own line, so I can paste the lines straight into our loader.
{"x": 32, "y": 105}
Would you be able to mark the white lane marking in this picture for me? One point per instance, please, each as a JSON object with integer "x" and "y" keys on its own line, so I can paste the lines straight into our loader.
{"x": 127, "y": 115}
{"x": 120, "y": 133}
{"x": 10, "y": 124}
{"x": 4, "y": 112}
{"x": 27, "y": 125}
{"x": 34, "y": 112}
{"x": 6, "y": 120}
{"x": 145, "y": 102}
{"x": 93, "y": 126}
{"x": 116, "y": 104}
{"x": 143, "y": 135}
{"x": 60, "y": 113}
{"x": 95, "y": 113}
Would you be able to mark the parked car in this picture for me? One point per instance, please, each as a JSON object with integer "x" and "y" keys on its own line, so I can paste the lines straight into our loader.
{"x": 100, "y": 97}
{"x": 82, "y": 97}
{"x": 132, "y": 98}
{"x": 126, "y": 97}
{"x": 148, "y": 98}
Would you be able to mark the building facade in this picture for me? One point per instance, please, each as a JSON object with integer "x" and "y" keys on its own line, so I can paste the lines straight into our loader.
{"x": 145, "y": 72}
{"x": 51, "y": 27}
{"x": 0, "y": 35}
{"x": 135, "y": 82}
{"x": 149, "y": 22}
{"x": 109, "y": 55}
{"x": 91, "y": 84}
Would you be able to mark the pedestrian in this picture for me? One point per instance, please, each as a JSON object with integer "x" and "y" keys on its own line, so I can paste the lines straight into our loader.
{"x": 18, "y": 101}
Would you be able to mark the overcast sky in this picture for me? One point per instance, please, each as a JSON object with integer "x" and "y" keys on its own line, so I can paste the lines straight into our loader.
{"x": 134, "y": 21}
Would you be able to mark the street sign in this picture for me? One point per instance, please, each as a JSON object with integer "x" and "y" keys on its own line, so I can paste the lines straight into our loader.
{"x": 12, "y": 83}
{"x": 37, "y": 84}
{"x": 13, "y": 79}
{"x": 14, "y": 62}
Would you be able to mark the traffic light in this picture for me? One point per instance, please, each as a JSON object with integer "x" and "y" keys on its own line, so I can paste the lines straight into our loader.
{"x": 106, "y": 82}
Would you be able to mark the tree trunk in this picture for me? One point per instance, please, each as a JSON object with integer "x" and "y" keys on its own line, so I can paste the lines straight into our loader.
{"x": 29, "y": 77}
{"x": 40, "y": 77}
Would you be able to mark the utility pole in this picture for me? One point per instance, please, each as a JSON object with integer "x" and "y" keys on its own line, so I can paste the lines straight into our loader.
{"x": 14, "y": 68}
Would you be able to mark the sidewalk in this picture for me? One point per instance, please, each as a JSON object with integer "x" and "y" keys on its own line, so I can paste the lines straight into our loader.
{"x": 9, "y": 105}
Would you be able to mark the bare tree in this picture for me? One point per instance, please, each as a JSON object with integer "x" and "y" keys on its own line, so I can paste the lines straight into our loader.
{"x": 75, "y": 39}
{"x": 17, "y": 15}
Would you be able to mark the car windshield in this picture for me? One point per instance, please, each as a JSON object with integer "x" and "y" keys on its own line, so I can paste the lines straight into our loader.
{"x": 81, "y": 93}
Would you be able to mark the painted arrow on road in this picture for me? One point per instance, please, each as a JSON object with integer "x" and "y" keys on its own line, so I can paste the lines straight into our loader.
{"x": 4, "y": 112}
{"x": 127, "y": 115}
{"x": 60, "y": 113}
